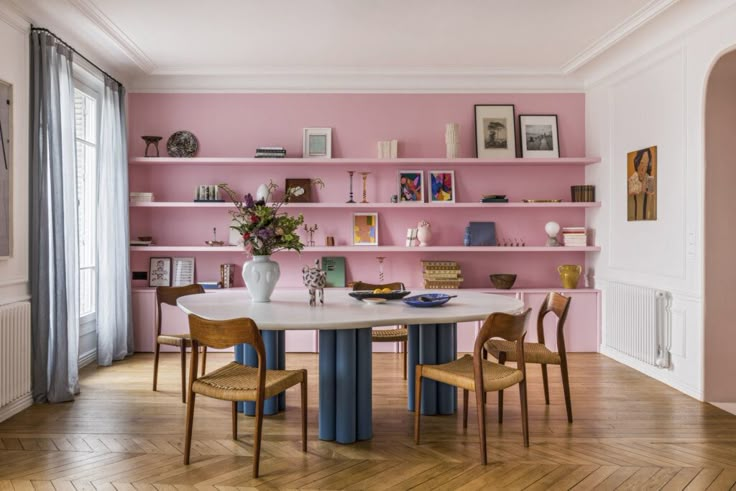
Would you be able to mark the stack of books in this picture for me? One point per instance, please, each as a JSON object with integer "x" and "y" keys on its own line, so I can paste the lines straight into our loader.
{"x": 494, "y": 198}
{"x": 575, "y": 236}
{"x": 441, "y": 274}
{"x": 209, "y": 285}
{"x": 270, "y": 152}
{"x": 141, "y": 197}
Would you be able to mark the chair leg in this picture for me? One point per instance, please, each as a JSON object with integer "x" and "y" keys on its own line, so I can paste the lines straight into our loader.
{"x": 257, "y": 436}
{"x": 502, "y": 361}
{"x": 183, "y": 373}
{"x": 155, "y": 366}
{"x": 566, "y": 388}
{"x": 235, "y": 420}
{"x": 404, "y": 343}
{"x": 481, "y": 425}
{"x": 545, "y": 382}
{"x": 304, "y": 412}
{"x": 204, "y": 359}
{"x": 417, "y": 402}
{"x": 465, "y": 408}
{"x": 189, "y": 425}
{"x": 524, "y": 412}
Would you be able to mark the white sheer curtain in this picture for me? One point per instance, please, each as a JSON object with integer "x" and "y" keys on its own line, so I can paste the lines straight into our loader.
{"x": 114, "y": 313}
{"x": 53, "y": 222}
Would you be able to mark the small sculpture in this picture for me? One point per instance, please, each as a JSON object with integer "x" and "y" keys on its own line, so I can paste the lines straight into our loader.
{"x": 452, "y": 140}
{"x": 424, "y": 233}
{"x": 380, "y": 268}
{"x": 552, "y": 229}
{"x": 315, "y": 280}
{"x": 310, "y": 230}
{"x": 151, "y": 140}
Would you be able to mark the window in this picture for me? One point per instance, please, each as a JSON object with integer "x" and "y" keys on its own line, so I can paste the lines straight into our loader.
{"x": 85, "y": 127}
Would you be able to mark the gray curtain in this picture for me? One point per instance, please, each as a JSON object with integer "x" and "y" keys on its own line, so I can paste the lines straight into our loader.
{"x": 53, "y": 222}
{"x": 114, "y": 312}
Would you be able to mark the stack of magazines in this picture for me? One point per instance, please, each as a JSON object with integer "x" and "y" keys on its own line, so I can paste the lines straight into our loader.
{"x": 575, "y": 236}
{"x": 270, "y": 152}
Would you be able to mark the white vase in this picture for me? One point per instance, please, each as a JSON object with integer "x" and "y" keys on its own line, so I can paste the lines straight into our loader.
{"x": 262, "y": 193}
{"x": 424, "y": 234}
{"x": 260, "y": 275}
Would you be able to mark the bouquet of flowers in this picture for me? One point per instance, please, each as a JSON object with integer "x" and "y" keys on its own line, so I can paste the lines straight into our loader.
{"x": 264, "y": 228}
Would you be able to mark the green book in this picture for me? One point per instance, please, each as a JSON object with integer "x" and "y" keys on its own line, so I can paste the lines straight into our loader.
{"x": 335, "y": 268}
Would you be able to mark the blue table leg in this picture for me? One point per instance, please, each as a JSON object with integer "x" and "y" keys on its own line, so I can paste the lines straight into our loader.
{"x": 275, "y": 360}
{"x": 345, "y": 377}
{"x": 432, "y": 344}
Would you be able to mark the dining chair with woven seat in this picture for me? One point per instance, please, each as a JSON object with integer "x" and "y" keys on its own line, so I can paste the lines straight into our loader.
{"x": 473, "y": 373}
{"x": 538, "y": 352}
{"x": 169, "y": 295}
{"x": 235, "y": 382}
{"x": 397, "y": 335}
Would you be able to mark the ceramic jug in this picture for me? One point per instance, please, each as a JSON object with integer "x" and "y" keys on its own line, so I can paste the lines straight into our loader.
{"x": 569, "y": 274}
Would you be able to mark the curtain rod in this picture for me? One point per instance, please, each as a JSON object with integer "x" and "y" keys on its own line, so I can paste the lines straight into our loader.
{"x": 43, "y": 29}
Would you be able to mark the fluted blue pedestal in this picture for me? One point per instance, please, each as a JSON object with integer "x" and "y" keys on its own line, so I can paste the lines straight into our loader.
{"x": 345, "y": 376}
{"x": 275, "y": 360}
{"x": 431, "y": 344}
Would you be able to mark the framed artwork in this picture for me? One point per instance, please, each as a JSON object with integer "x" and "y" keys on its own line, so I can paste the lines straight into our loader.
{"x": 6, "y": 164}
{"x": 539, "y": 137}
{"x": 159, "y": 271}
{"x": 495, "y": 133}
{"x": 411, "y": 185}
{"x": 305, "y": 184}
{"x": 442, "y": 186}
{"x": 365, "y": 229}
{"x": 641, "y": 184}
{"x": 183, "y": 271}
{"x": 317, "y": 142}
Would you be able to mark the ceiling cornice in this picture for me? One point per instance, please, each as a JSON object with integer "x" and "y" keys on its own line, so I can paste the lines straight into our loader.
{"x": 14, "y": 17}
{"x": 631, "y": 24}
{"x": 126, "y": 45}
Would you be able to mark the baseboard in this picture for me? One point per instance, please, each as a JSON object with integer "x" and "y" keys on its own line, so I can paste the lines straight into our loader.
{"x": 653, "y": 372}
{"x": 18, "y": 405}
{"x": 87, "y": 358}
{"x": 729, "y": 407}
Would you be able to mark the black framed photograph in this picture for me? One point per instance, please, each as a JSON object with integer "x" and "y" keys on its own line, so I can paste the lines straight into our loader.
{"x": 495, "y": 131}
{"x": 159, "y": 271}
{"x": 539, "y": 137}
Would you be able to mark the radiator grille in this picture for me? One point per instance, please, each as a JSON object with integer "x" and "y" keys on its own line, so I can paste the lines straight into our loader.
{"x": 15, "y": 351}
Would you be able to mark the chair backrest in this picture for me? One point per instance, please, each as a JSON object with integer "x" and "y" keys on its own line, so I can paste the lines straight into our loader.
{"x": 558, "y": 304}
{"x": 505, "y": 326}
{"x": 396, "y": 285}
{"x": 169, "y": 295}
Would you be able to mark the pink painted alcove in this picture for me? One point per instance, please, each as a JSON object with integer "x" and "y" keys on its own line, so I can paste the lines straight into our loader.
{"x": 230, "y": 125}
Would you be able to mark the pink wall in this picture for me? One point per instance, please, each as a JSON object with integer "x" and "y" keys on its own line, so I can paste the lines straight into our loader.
{"x": 230, "y": 125}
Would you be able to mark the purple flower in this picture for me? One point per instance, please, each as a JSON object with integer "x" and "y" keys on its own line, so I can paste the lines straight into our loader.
{"x": 265, "y": 233}
{"x": 249, "y": 201}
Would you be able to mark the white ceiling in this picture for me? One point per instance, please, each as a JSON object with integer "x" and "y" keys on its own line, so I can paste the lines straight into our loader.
{"x": 149, "y": 40}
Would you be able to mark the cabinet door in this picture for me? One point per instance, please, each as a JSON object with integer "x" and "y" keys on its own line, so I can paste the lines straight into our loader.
{"x": 144, "y": 318}
{"x": 581, "y": 327}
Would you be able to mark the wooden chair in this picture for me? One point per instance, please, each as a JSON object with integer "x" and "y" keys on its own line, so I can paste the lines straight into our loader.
{"x": 169, "y": 295}
{"x": 235, "y": 382}
{"x": 539, "y": 353}
{"x": 473, "y": 373}
{"x": 398, "y": 335}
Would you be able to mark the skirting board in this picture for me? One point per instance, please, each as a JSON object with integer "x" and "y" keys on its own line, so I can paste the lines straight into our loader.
{"x": 18, "y": 405}
{"x": 87, "y": 358}
{"x": 729, "y": 407}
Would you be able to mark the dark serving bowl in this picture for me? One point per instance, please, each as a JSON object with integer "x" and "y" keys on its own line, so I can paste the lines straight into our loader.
{"x": 503, "y": 281}
{"x": 393, "y": 295}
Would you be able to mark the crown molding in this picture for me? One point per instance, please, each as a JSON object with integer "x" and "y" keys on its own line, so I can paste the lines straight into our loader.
{"x": 126, "y": 45}
{"x": 14, "y": 17}
{"x": 631, "y": 24}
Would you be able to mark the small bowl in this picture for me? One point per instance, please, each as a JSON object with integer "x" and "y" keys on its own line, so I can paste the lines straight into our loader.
{"x": 503, "y": 281}
{"x": 215, "y": 243}
{"x": 145, "y": 238}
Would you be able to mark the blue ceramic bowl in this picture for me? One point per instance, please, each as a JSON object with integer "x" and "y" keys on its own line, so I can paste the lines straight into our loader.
{"x": 428, "y": 300}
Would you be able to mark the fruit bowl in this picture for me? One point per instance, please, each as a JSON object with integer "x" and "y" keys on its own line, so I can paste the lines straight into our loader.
{"x": 503, "y": 281}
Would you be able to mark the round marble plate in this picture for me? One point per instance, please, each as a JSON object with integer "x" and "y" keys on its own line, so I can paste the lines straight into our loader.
{"x": 182, "y": 144}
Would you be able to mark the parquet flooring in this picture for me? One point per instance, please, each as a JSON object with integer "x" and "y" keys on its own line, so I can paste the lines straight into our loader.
{"x": 630, "y": 432}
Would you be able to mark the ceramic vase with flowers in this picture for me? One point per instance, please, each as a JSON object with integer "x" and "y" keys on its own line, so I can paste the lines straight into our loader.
{"x": 265, "y": 230}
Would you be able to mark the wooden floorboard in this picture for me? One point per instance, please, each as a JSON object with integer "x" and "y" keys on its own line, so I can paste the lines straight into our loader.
{"x": 630, "y": 432}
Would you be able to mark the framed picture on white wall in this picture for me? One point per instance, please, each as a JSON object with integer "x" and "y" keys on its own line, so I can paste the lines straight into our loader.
{"x": 6, "y": 168}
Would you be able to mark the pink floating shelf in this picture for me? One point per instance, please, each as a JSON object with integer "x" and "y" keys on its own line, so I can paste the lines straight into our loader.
{"x": 373, "y": 249}
{"x": 432, "y": 206}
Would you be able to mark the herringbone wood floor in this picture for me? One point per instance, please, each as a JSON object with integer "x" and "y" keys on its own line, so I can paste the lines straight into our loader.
{"x": 630, "y": 432}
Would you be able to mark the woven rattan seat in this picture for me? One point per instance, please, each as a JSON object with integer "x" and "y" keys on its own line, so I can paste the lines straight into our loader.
{"x": 533, "y": 352}
{"x": 174, "y": 340}
{"x": 389, "y": 335}
{"x": 460, "y": 374}
{"x": 236, "y": 382}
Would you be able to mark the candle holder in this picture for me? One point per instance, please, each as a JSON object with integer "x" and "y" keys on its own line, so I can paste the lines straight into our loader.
{"x": 310, "y": 230}
{"x": 365, "y": 189}
{"x": 351, "y": 172}
{"x": 151, "y": 140}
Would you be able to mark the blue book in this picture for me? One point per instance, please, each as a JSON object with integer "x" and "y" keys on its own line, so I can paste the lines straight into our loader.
{"x": 482, "y": 233}
{"x": 335, "y": 268}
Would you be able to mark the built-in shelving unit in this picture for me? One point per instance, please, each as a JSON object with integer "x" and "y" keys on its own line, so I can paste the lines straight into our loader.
{"x": 375, "y": 249}
{"x": 432, "y": 206}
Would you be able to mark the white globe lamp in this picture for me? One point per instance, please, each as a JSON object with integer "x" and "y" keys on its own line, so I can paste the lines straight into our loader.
{"x": 552, "y": 229}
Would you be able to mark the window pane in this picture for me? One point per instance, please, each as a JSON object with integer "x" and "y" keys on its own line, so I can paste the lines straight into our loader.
{"x": 87, "y": 291}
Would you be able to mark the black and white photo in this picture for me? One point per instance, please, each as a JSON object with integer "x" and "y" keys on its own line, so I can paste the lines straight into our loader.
{"x": 159, "y": 271}
{"x": 539, "y": 137}
{"x": 495, "y": 133}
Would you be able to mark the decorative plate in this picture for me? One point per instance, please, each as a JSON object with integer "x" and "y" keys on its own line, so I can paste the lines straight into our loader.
{"x": 428, "y": 300}
{"x": 182, "y": 144}
{"x": 394, "y": 295}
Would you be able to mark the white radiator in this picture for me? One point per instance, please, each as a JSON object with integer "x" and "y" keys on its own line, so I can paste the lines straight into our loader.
{"x": 15, "y": 352}
{"x": 638, "y": 322}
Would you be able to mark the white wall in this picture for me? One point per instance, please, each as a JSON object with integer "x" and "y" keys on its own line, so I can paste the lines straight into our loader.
{"x": 650, "y": 91}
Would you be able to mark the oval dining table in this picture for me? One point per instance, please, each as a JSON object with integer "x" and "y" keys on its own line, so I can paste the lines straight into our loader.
{"x": 345, "y": 346}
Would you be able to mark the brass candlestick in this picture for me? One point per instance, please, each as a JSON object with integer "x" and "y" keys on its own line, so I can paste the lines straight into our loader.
{"x": 365, "y": 189}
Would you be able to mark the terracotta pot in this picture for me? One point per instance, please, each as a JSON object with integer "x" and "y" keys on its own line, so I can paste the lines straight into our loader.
{"x": 569, "y": 274}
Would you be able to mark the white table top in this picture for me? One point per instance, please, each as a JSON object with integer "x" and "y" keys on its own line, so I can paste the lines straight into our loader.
{"x": 289, "y": 309}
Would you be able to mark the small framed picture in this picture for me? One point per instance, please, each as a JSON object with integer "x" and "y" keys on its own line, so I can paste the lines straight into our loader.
{"x": 539, "y": 138}
{"x": 442, "y": 186}
{"x": 317, "y": 143}
{"x": 183, "y": 271}
{"x": 411, "y": 185}
{"x": 159, "y": 271}
{"x": 305, "y": 184}
{"x": 495, "y": 133}
{"x": 365, "y": 229}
